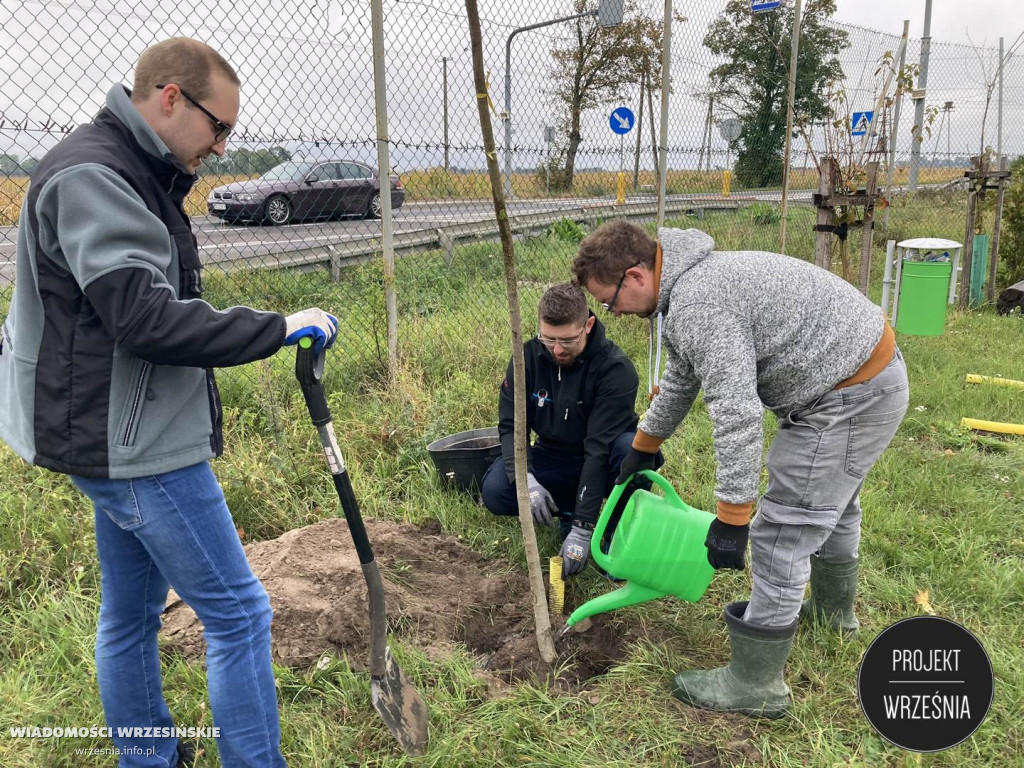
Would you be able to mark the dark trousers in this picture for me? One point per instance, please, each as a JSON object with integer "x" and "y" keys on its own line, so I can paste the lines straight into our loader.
{"x": 557, "y": 472}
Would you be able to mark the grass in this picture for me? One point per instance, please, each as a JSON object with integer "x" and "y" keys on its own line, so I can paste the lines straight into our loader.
{"x": 942, "y": 513}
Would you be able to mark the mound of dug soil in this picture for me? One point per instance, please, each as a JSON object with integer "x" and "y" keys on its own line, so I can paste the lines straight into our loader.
{"x": 438, "y": 593}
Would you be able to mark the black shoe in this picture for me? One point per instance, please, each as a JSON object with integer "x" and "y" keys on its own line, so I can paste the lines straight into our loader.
{"x": 564, "y": 526}
{"x": 186, "y": 754}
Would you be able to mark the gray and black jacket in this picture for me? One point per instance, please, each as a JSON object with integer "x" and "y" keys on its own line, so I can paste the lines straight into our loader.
{"x": 754, "y": 330}
{"x": 107, "y": 351}
{"x": 577, "y": 410}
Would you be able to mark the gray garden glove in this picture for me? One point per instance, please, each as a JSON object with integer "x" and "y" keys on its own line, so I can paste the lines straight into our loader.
{"x": 314, "y": 323}
{"x": 541, "y": 503}
{"x": 576, "y": 549}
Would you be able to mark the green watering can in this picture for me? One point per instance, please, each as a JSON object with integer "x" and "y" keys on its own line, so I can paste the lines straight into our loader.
{"x": 658, "y": 547}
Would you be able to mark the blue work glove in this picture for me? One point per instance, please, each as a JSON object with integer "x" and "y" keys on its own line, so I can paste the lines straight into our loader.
{"x": 634, "y": 462}
{"x": 314, "y": 323}
{"x": 541, "y": 502}
{"x": 576, "y": 549}
{"x": 727, "y": 545}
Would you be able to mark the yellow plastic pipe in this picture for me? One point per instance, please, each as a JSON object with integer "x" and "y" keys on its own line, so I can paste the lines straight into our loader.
{"x": 993, "y": 426}
{"x": 973, "y": 378}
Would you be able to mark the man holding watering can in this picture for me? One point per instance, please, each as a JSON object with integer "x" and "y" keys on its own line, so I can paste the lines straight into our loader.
{"x": 761, "y": 330}
{"x": 581, "y": 396}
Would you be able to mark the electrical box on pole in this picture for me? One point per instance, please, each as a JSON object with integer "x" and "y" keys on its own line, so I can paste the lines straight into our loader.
{"x": 609, "y": 12}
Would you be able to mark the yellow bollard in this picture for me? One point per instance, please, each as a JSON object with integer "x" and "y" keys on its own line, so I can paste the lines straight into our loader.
{"x": 993, "y": 426}
{"x": 973, "y": 378}
{"x": 726, "y": 181}
{"x": 622, "y": 188}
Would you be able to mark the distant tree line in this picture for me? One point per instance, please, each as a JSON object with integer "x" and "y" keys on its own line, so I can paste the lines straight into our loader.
{"x": 235, "y": 162}
{"x": 244, "y": 162}
{"x": 13, "y": 165}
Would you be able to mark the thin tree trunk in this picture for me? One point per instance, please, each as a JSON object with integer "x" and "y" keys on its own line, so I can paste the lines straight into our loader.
{"x": 867, "y": 231}
{"x": 826, "y": 216}
{"x": 541, "y": 618}
{"x": 654, "y": 132}
{"x": 570, "y": 157}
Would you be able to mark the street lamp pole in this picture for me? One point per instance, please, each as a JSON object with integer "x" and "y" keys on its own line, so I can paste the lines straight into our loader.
{"x": 444, "y": 64}
{"x": 507, "y": 114}
{"x": 609, "y": 14}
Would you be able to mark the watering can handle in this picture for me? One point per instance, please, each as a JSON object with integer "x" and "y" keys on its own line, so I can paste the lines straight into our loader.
{"x": 613, "y": 500}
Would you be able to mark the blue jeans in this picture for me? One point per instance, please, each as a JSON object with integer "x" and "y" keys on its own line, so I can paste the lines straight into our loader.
{"x": 816, "y": 468}
{"x": 175, "y": 529}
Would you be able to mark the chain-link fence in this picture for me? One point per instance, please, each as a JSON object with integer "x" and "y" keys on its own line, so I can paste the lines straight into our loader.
{"x": 289, "y": 215}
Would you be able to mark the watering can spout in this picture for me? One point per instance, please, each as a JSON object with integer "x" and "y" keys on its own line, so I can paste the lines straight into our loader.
{"x": 631, "y": 594}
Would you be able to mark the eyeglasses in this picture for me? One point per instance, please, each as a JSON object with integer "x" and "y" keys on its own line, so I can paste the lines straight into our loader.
{"x": 566, "y": 343}
{"x": 610, "y": 306}
{"x": 222, "y": 129}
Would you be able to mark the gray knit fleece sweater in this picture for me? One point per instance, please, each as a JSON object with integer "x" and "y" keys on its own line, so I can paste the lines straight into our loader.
{"x": 755, "y": 330}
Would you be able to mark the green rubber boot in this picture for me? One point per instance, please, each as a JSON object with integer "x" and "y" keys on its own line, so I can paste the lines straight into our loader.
{"x": 833, "y": 587}
{"x": 752, "y": 684}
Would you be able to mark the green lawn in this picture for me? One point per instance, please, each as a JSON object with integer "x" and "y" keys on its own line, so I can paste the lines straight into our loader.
{"x": 944, "y": 512}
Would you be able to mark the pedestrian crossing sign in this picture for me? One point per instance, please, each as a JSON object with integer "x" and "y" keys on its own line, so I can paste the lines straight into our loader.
{"x": 860, "y": 122}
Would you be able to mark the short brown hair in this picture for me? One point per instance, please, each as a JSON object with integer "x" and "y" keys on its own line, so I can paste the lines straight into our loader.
{"x": 181, "y": 60}
{"x": 563, "y": 304}
{"x": 610, "y": 250}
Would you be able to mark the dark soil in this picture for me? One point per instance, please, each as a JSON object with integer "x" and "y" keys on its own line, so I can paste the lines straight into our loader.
{"x": 438, "y": 592}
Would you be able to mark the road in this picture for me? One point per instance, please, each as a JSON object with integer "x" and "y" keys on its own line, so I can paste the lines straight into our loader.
{"x": 221, "y": 242}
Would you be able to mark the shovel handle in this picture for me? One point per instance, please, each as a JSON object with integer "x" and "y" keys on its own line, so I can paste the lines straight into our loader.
{"x": 309, "y": 370}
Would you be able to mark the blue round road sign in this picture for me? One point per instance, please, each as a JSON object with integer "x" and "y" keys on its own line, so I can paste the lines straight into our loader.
{"x": 621, "y": 120}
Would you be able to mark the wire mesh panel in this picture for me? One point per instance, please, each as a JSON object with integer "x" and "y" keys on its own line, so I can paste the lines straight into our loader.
{"x": 288, "y": 215}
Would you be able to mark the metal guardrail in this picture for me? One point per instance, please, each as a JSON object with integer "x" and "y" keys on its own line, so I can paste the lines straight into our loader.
{"x": 349, "y": 252}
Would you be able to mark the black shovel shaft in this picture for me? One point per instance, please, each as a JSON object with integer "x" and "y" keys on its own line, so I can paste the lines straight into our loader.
{"x": 309, "y": 371}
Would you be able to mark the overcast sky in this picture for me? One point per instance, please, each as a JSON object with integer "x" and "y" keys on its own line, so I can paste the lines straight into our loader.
{"x": 306, "y": 67}
{"x": 952, "y": 20}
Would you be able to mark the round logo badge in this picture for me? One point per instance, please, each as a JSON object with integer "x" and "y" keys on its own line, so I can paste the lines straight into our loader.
{"x": 925, "y": 684}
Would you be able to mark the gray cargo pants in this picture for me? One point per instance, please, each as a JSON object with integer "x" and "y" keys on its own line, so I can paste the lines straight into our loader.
{"x": 816, "y": 467}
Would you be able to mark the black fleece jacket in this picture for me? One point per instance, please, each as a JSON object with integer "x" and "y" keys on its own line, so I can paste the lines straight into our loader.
{"x": 577, "y": 410}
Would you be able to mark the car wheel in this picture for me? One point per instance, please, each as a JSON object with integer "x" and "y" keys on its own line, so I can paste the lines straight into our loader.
{"x": 373, "y": 209}
{"x": 278, "y": 210}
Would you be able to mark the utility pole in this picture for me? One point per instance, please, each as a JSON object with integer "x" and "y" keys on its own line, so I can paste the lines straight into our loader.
{"x": 895, "y": 123}
{"x": 999, "y": 122}
{"x": 1001, "y": 165}
{"x": 666, "y": 83}
{"x": 705, "y": 140}
{"x": 919, "y": 96}
{"x": 947, "y": 108}
{"x": 444, "y": 65}
{"x": 639, "y": 135}
{"x": 794, "y": 50}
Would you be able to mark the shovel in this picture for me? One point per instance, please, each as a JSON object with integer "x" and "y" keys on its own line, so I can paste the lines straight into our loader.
{"x": 394, "y": 698}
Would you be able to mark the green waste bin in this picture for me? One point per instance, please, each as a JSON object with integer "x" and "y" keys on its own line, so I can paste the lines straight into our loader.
{"x": 924, "y": 288}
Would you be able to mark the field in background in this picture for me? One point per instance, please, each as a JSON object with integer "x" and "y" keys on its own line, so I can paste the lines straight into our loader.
{"x": 434, "y": 184}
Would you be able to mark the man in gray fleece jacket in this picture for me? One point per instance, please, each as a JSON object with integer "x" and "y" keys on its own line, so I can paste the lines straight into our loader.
{"x": 761, "y": 330}
{"x": 106, "y": 375}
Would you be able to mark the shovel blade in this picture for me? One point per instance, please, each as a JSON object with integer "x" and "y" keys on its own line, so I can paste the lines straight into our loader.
{"x": 400, "y": 706}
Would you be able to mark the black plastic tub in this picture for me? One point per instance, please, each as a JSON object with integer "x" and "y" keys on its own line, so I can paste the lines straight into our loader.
{"x": 463, "y": 458}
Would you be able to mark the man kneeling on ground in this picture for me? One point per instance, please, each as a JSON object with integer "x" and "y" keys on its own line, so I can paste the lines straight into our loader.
{"x": 581, "y": 392}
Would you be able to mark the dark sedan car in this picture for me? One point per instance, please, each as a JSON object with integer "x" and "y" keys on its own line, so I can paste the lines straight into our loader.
{"x": 305, "y": 189}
